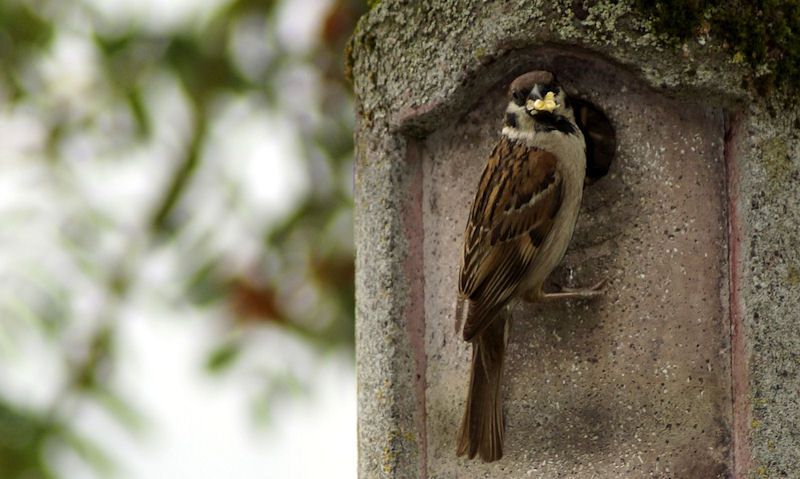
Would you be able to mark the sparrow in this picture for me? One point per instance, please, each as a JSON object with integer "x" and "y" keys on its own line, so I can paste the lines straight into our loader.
{"x": 520, "y": 224}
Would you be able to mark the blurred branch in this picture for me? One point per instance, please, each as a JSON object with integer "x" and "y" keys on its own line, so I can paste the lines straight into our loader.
{"x": 160, "y": 218}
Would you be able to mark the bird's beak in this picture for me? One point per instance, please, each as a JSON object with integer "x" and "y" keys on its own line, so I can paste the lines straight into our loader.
{"x": 548, "y": 103}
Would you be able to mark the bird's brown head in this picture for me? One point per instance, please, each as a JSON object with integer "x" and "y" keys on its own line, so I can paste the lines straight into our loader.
{"x": 539, "y": 96}
{"x": 524, "y": 86}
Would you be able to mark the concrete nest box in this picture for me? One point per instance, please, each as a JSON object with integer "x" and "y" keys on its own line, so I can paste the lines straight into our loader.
{"x": 692, "y": 203}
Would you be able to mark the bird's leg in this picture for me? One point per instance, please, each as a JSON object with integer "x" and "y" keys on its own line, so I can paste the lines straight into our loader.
{"x": 539, "y": 296}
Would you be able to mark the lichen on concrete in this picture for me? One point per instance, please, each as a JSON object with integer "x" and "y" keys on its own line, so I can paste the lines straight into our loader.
{"x": 770, "y": 199}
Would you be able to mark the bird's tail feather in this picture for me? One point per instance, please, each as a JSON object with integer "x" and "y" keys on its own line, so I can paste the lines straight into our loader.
{"x": 482, "y": 426}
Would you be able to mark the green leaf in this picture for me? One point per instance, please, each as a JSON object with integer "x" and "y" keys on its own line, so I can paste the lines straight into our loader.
{"x": 223, "y": 356}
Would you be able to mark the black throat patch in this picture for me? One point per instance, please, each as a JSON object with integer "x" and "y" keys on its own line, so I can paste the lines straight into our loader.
{"x": 511, "y": 120}
{"x": 544, "y": 121}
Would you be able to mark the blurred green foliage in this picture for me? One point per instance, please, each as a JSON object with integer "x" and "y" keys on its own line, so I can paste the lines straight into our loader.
{"x": 22, "y": 437}
{"x": 312, "y": 245}
{"x": 23, "y": 32}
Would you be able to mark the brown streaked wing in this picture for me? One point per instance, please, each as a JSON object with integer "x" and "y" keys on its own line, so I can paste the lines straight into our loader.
{"x": 518, "y": 197}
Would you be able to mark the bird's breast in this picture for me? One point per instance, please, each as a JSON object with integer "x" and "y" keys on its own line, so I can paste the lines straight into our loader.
{"x": 571, "y": 154}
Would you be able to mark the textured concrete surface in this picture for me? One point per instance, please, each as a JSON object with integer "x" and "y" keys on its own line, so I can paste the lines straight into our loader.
{"x": 428, "y": 78}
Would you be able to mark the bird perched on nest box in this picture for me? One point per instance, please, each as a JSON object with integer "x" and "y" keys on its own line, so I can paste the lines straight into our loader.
{"x": 520, "y": 224}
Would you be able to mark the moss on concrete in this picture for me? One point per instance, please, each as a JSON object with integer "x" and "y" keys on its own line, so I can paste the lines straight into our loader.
{"x": 764, "y": 33}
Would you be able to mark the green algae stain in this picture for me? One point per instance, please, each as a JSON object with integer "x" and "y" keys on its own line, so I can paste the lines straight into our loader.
{"x": 776, "y": 160}
{"x": 793, "y": 276}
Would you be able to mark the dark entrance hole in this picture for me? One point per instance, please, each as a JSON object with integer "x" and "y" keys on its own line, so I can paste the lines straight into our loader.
{"x": 601, "y": 139}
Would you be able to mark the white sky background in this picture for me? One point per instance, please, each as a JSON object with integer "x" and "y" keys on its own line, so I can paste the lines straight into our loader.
{"x": 193, "y": 425}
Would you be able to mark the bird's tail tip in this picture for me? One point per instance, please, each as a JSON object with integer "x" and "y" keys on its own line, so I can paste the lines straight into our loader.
{"x": 482, "y": 428}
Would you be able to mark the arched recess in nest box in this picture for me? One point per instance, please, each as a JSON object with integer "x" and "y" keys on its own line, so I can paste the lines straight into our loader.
{"x": 601, "y": 139}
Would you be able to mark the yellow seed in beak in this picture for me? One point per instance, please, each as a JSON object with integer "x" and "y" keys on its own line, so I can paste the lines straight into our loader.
{"x": 547, "y": 104}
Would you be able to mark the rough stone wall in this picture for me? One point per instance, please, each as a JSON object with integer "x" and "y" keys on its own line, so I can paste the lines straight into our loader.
{"x": 420, "y": 66}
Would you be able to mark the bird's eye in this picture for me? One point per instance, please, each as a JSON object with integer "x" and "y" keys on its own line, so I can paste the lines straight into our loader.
{"x": 519, "y": 96}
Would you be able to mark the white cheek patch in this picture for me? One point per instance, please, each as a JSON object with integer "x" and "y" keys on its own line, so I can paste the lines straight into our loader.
{"x": 517, "y": 134}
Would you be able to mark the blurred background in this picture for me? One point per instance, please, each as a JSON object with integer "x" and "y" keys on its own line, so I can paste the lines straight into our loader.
{"x": 176, "y": 240}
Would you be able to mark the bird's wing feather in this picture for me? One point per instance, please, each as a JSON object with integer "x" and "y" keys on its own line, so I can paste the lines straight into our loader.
{"x": 519, "y": 195}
